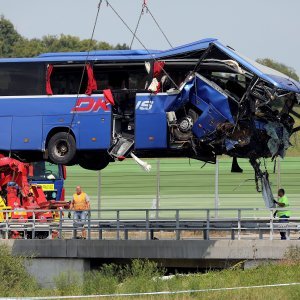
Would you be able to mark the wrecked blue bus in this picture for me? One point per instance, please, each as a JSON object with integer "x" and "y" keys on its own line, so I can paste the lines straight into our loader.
{"x": 198, "y": 100}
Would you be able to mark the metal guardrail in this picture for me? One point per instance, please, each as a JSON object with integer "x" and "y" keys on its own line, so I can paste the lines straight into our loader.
{"x": 156, "y": 224}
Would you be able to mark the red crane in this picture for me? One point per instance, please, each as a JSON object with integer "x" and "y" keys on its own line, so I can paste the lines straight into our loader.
{"x": 21, "y": 197}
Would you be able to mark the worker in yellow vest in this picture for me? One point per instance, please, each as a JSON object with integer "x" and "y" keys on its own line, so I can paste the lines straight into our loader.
{"x": 283, "y": 215}
{"x": 80, "y": 204}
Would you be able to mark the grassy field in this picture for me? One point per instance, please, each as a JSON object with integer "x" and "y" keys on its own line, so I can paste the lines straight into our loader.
{"x": 182, "y": 184}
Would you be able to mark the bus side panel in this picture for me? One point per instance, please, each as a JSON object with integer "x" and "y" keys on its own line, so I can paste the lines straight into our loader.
{"x": 27, "y": 133}
{"x": 61, "y": 121}
{"x": 95, "y": 130}
{"x": 150, "y": 122}
{"x": 5, "y": 133}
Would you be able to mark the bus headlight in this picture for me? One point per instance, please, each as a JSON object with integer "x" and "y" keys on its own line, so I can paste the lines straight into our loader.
{"x": 54, "y": 195}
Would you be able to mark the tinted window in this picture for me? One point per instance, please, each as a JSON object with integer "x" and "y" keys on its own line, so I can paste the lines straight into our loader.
{"x": 66, "y": 80}
{"x": 17, "y": 79}
{"x": 121, "y": 77}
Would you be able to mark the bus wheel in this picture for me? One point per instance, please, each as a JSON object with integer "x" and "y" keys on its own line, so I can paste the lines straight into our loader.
{"x": 94, "y": 163}
{"x": 61, "y": 148}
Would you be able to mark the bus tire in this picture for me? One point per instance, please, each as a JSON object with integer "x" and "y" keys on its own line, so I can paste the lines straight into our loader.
{"x": 62, "y": 148}
{"x": 94, "y": 163}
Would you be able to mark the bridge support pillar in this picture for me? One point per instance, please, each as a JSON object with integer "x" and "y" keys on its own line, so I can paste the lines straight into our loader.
{"x": 46, "y": 270}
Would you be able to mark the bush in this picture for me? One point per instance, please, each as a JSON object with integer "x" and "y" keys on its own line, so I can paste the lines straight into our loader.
{"x": 104, "y": 281}
{"x": 15, "y": 281}
{"x": 142, "y": 276}
{"x": 68, "y": 283}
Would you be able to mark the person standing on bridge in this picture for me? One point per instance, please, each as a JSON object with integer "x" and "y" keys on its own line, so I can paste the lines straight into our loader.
{"x": 81, "y": 205}
{"x": 283, "y": 215}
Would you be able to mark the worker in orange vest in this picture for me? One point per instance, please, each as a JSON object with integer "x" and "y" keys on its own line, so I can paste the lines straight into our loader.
{"x": 80, "y": 204}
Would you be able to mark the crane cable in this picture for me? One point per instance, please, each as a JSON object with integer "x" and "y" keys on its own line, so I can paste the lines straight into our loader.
{"x": 138, "y": 23}
{"x": 149, "y": 11}
{"x": 84, "y": 68}
{"x": 139, "y": 40}
{"x": 145, "y": 6}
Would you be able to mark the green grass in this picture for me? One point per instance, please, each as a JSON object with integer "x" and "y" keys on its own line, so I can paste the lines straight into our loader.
{"x": 183, "y": 184}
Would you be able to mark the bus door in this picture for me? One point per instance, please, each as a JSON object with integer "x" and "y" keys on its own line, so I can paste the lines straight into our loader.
{"x": 139, "y": 122}
{"x": 150, "y": 121}
{"x": 123, "y": 123}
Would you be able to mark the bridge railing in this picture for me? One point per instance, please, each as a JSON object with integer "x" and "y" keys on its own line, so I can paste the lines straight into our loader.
{"x": 130, "y": 224}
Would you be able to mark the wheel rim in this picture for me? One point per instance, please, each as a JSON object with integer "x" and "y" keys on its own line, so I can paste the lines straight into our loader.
{"x": 61, "y": 148}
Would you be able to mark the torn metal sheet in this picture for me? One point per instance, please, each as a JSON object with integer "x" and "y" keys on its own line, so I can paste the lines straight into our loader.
{"x": 267, "y": 191}
{"x": 279, "y": 138}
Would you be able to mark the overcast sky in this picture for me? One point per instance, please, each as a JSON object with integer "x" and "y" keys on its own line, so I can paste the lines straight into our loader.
{"x": 256, "y": 28}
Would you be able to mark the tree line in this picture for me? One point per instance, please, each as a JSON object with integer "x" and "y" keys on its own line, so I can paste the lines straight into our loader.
{"x": 13, "y": 44}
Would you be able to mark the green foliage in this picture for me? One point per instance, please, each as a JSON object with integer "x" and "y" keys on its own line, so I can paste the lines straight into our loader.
{"x": 12, "y": 44}
{"x": 68, "y": 283}
{"x": 145, "y": 276}
{"x": 8, "y": 37}
{"x": 104, "y": 281}
{"x": 279, "y": 67}
{"x": 28, "y": 48}
{"x": 13, "y": 274}
{"x": 143, "y": 268}
{"x": 142, "y": 276}
{"x": 122, "y": 47}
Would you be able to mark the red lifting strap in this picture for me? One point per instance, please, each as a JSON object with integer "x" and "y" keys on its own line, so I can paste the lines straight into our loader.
{"x": 109, "y": 96}
{"x": 48, "y": 82}
{"x": 92, "y": 84}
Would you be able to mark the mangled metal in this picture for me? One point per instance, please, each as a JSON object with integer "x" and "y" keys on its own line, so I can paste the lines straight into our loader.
{"x": 225, "y": 104}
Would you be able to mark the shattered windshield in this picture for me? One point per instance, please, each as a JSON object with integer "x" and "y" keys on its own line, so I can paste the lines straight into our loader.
{"x": 260, "y": 67}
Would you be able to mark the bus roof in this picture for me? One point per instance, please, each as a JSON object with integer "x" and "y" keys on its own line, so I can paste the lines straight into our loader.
{"x": 276, "y": 78}
{"x": 113, "y": 55}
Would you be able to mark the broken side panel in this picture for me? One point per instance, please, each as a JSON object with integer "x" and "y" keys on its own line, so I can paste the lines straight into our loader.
{"x": 210, "y": 101}
{"x": 208, "y": 122}
{"x": 207, "y": 94}
{"x": 150, "y": 122}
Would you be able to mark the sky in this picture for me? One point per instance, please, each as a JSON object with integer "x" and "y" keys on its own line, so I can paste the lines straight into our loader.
{"x": 256, "y": 28}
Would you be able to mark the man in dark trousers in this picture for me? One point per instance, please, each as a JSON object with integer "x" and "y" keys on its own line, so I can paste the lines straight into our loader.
{"x": 283, "y": 215}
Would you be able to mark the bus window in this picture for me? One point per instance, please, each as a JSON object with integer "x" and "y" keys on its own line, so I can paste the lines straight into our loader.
{"x": 133, "y": 77}
{"x": 20, "y": 79}
{"x": 177, "y": 72}
{"x": 66, "y": 79}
